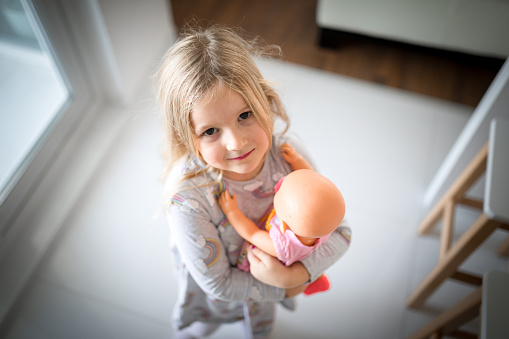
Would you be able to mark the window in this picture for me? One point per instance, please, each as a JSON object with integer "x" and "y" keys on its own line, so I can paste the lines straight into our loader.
{"x": 44, "y": 93}
{"x": 32, "y": 91}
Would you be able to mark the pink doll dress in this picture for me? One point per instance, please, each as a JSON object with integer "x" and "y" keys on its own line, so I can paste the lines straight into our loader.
{"x": 288, "y": 247}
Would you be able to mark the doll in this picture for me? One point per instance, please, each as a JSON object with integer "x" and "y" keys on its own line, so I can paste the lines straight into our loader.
{"x": 307, "y": 208}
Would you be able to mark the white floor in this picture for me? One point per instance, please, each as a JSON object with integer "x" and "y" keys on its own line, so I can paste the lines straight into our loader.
{"x": 109, "y": 274}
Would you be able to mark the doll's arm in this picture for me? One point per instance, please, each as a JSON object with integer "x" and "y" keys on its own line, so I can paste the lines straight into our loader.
{"x": 292, "y": 157}
{"x": 245, "y": 227}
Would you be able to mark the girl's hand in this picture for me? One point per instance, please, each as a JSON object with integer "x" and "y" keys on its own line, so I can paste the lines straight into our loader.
{"x": 271, "y": 271}
{"x": 227, "y": 203}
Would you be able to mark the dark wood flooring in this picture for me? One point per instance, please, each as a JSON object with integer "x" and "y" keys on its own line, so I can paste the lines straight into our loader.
{"x": 291, "y": 24}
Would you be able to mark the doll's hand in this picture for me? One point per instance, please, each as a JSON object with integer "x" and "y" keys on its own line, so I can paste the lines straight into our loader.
{"x": 292, "y": 157}
{"x": 271, "y": 271}
{"x": 289, "y": 153}
{"x": 228, "y": 203}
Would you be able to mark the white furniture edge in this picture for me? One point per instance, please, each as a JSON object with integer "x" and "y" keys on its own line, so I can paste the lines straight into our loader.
{"x": 475, "y": 27}
{"x": 495, "y": 305}
{"x": 495, "y": 103}
{"x": 496, "y": 194}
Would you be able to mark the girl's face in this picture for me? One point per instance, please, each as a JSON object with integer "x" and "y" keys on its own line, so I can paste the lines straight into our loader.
{"x": 228, "y": 135}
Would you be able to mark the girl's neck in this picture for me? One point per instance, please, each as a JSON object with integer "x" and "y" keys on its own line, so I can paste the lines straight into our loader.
{"x": 239, "y": 176}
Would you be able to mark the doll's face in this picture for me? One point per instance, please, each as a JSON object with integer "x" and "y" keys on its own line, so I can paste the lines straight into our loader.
{"x": 309, "y": 204}
{"x": 228, "y": 136}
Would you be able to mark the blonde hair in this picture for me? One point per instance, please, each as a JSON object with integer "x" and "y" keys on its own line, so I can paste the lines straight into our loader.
{"x": 194, "y": 69}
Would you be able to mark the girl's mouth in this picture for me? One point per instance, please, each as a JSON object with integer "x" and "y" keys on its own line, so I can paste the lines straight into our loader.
{"x": 243, "y": 156}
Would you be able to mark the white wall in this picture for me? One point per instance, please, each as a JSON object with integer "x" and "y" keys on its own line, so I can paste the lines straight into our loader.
{"x": 136, "y": 30}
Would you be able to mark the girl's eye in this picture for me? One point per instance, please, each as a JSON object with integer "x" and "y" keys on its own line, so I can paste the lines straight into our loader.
{"x": 210, "y": 131}
{"x": 245, "y": 115}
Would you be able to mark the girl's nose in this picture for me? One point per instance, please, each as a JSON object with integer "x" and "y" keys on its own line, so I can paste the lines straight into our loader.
{"x": 235, "y": 141}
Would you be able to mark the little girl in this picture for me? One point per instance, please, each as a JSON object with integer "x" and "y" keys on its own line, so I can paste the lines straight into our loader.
{"x": 218, "y": 116}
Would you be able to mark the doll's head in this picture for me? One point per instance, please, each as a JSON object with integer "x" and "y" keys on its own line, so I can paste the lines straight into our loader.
{"x": 309, "y": 204}
{"x": 202, "y": 62}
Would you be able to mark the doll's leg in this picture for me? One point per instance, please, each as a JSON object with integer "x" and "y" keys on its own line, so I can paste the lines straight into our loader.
{"x": 321, "y": 284}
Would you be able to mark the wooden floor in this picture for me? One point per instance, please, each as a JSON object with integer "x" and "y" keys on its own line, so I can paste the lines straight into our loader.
{"x": 292, "y": 25}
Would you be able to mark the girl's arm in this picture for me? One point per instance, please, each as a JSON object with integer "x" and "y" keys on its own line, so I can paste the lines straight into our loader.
{"x": 269, "y": 270}
{"x": 244, "y": 226}
{"x": 201, "y": 249}
{"x": 329, "y": 252}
